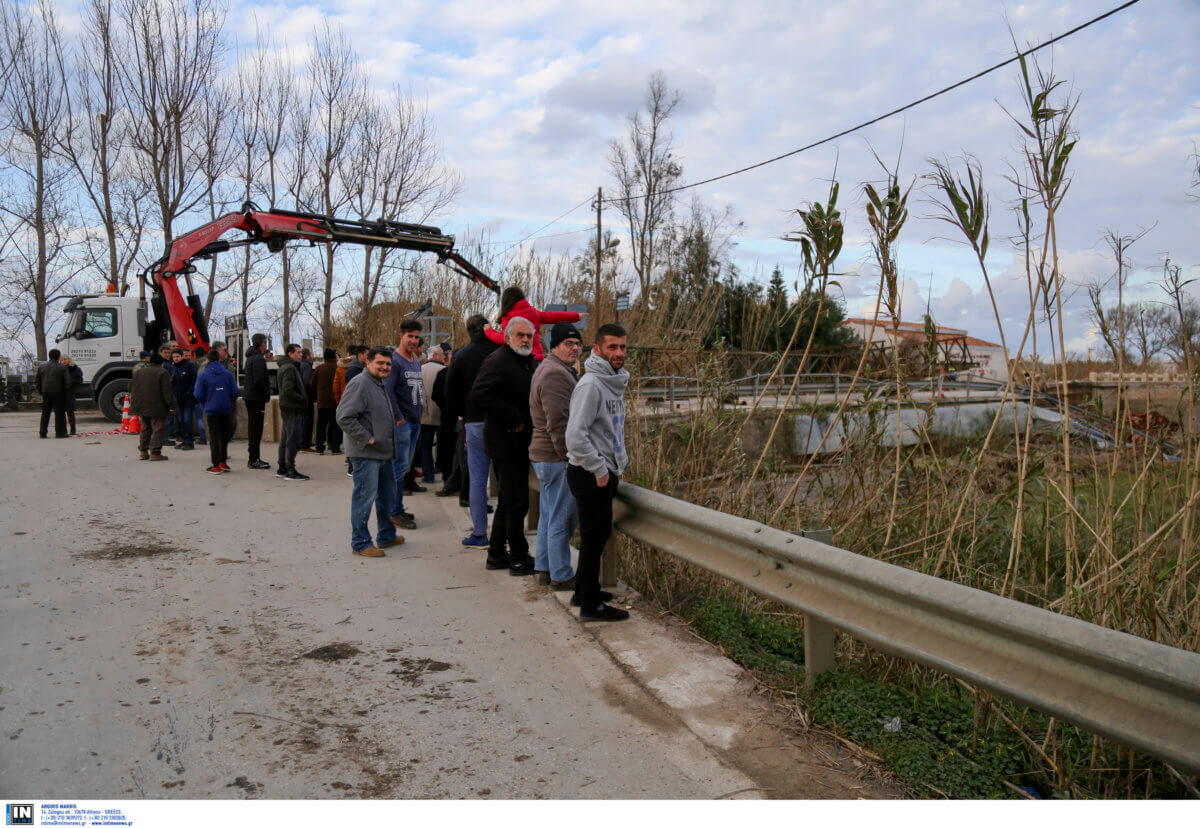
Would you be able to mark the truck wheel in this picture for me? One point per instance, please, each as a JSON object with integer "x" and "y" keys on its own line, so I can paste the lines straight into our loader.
{"x": 111, "y": 399}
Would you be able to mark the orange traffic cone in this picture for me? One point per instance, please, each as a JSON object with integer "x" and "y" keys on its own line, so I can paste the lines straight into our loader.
{"x": 129, "y": 423}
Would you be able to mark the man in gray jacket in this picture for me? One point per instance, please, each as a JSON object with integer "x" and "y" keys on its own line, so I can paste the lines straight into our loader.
{"x": 595, "y": 459}
{"x": 549, "y": 406}
{"x": 365, "y": 416}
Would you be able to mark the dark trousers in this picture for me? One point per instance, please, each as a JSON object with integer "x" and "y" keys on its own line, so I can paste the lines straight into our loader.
{"x": 460, "y": 475}
{"x": 255, "y": 414}
{"x": 306, "y": 427}
{"x": 220, "y": 431}
{"x": 55, "y": 401}
{"x": 289, "y": 440}
{"x": 153, "y": 434}
{"x": 328, "y": 431}
{"x": 595, "y": 528}
{"x": 428, "y": 435}
{"x": 70, "y": 399}
{"x": 447, "y": 446}
{"x": 508, "y": 524}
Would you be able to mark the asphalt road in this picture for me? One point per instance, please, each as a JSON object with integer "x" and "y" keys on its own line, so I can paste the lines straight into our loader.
{"x": 157, "y": 621}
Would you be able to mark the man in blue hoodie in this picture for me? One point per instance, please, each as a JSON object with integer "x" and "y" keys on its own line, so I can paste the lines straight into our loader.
{"x": 216, "y": 389}
{"x": 406, "y": 391}
{"x": 595, "y": 459}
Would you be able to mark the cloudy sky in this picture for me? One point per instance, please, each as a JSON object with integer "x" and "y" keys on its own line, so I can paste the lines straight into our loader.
{"x": 527, "y": 96}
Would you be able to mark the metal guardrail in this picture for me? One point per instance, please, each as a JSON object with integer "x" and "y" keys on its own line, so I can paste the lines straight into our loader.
{"x": 1143, "y": 695}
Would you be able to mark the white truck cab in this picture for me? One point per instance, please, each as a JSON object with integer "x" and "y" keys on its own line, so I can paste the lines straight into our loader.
{"x": 104, "y": 333}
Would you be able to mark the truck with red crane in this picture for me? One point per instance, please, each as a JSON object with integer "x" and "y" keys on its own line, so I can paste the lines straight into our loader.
{"x": 104, "y": 333}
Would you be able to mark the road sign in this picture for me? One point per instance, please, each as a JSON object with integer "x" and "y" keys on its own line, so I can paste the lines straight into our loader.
{"x": 623, "y": 302}
{"x": 580, "y": 309}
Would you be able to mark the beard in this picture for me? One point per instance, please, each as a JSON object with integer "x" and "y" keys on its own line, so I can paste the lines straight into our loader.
{"x": 524, "y": 349}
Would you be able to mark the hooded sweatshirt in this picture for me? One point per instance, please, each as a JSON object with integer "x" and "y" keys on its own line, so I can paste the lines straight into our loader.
{"x": 596, "y": 426}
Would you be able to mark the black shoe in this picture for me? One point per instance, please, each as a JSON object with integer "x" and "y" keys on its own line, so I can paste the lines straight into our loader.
{"x": 42, "y": 436}
{"x": 335, "y": 451}
{"x": 295, "y": 475}
{"x": 415, "y": 487}
{"x": 320, "y": 451}
{"x": 203, "y": 441}
{"x": 604, "y": 596}
{"x": 444, "y": 492}
{"x": 522, "y": 567}
{"x": 282, "y": 474}
{"x": 602, "y": 613}
{"x": 258, "y": 464}
{"x": 502, "y": 563}
{"x": 466, "y": 504}
{"x": 491, "y": 508}
{"x": 404, "y": 520}
{"x": 186, "y": 447}
{"x": 543, "y": 577}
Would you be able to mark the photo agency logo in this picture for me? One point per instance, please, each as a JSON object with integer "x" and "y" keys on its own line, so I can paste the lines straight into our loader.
{"x": 18, "y": 814}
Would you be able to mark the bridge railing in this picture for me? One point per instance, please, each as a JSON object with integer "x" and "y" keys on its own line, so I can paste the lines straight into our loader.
{"x": 1139, "y": 693}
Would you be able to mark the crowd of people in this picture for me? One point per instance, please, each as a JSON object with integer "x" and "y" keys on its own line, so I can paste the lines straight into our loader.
{"x": 496, "y": 404}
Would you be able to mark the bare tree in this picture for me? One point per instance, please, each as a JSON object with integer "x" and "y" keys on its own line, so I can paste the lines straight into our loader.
{"x": 96, "y": 144}
{"x": 173, "y": 54}
{"x": 337, "y": 100}
{"x": 251, "y": 86}
{"x": 646, "y": 171}
{"x": 1180, "y": 338}
{"x": 394, "y": 172}
{"x": 214, "y": 155}
{"x": 34, "y": 214}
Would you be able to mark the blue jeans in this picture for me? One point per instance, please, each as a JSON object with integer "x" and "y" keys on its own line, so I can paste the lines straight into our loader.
{"x": 181, "y": 424}
{"x": 556, "y": 521}
{"x": 478, "y": 464}
{"x": 198, "y": 414}
{"x": 408, "y": 437}
{"x": 374, "y": 486}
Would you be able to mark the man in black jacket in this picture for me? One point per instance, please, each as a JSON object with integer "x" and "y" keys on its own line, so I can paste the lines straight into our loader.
{"x": 502, "y": 392}
{"x": 256, "y": 392}
{"x": 293, "y": 402}
{"x": 460, "y": 377}
{"x": 53, "y": 382}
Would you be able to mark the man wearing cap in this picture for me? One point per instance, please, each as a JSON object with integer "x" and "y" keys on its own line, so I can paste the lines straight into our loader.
{"x": 549, "y": 407}
{"x": 256, "y": 394}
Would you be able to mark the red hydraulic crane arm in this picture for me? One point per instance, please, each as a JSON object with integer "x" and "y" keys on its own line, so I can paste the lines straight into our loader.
{"x": 275, "y": 229}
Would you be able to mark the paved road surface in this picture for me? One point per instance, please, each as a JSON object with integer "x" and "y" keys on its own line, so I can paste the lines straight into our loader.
{"x": 156, "y": 621}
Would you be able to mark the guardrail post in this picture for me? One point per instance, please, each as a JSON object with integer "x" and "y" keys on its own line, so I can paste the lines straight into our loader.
{"x": 671, "y": 391}
{"x": 818, "y": 648}
{"x": 756, "y": 376}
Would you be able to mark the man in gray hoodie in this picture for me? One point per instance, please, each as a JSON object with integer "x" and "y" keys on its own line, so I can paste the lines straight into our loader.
{"x": 595, "y": 459}
{"x": 365, "y": 416}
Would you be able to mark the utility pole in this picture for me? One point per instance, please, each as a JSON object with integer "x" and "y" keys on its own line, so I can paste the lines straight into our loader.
{"x": 599, "y": 207}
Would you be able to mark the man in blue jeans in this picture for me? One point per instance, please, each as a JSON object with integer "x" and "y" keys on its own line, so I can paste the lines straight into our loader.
{"x": 460, "y": 378}
{"x": 406, "y": 391}
{"x": 365, "y": 416}
{"x": 549, "y": 407}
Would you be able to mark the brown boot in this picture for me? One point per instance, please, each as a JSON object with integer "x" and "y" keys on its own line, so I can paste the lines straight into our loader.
{"x": 396, "y": 541}
{"x": 158, "y": 455}
{"x": 143, "y": 455}
{"x": 370, "y": 552}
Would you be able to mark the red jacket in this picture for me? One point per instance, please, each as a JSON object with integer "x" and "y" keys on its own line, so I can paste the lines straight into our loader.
{"x": 537, "y": 317}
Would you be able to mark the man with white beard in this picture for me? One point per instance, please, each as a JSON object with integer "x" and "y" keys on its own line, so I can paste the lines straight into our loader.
{"x": 501, "y": 391}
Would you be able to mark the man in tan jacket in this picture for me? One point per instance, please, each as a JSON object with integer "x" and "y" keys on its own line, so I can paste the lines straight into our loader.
{"x": 549, "y": 406}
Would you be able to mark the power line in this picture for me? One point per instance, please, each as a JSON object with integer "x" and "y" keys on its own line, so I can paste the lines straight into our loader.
{"x": 886, "y": 115}
{"x": 547, "y": 224}
{"x": 538, "y": 238}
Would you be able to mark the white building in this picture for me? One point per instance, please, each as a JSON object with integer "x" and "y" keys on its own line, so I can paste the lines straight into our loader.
{"x": 988, "y": 355}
